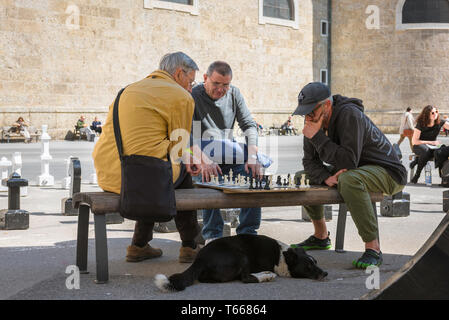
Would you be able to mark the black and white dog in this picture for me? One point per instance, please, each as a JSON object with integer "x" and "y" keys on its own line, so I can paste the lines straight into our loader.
{"x": 249, "y": 258}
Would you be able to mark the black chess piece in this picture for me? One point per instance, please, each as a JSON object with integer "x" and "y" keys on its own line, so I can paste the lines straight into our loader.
{"x": 285, "y": 182}
{"x": 267, "y": 183}
{"x": 298, "y": 182}
{"x": 251, "y": 186}
{"x": 279, "y": 181}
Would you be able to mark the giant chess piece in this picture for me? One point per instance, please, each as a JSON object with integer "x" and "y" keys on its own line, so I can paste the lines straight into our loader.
{"x": 5, "y": 164}
{"x": 45, "y": 179}
{"x": 13, "y": 218}
{"x": 17, "y": 167}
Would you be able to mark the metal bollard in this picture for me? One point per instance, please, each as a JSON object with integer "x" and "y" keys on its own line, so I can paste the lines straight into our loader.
{"x": 75, "y": 187}
{"x": 13, "y": 218}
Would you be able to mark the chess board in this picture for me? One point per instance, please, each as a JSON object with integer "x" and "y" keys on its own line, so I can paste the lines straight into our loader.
{"x": 233, "y": 188}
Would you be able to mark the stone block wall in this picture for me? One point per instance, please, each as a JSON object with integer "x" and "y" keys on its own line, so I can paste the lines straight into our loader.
{"x": 60, "y": 59}
{"x": 388, "y": 69}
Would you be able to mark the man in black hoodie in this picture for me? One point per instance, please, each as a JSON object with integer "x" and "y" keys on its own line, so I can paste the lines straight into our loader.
{"x": 343, "y": 148}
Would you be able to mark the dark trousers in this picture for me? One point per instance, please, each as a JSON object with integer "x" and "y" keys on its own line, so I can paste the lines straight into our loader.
{"x": 425, "y": 154}
{"x": 186, "y": 221}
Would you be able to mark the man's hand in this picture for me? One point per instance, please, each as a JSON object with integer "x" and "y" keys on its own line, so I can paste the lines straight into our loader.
{"x": 255, "y": 169}
{"x": 252, "y": 162}
{"x": 311, "y": 127}
{"x": 208, "y": 169}
{"x": 193, "y": 169}
{"x": 333, "y": 180}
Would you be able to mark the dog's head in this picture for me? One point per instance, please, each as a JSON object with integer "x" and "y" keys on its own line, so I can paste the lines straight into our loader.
{"x": 301, "y": 265}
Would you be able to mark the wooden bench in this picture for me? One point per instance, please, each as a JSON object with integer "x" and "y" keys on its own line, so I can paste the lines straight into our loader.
{"x": 102, "y": 203}
{"x": 7, "y": 135}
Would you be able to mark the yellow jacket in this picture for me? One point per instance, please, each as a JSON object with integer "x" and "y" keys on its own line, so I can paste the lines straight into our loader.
{"x": 149, "y": 111}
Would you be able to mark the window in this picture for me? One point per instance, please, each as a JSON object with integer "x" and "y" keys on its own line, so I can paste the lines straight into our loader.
{"x": 422, "y": 14}
{"x": 324, "y": 28}
{"x": 190, "y": 6}
{"x": 281, "y": 9}
{"x": 323, "y": 76}
{"x": 279, "y": 12}
{"x": 188, "y": 2}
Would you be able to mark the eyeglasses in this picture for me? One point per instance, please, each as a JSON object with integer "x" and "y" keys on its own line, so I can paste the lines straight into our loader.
{"x": 192, "y": 83}
{"x": 433, "y": 112}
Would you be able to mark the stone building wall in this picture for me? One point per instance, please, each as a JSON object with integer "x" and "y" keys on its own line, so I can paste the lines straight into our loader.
{"x": 51, "y": 71}
{"x": 388, "y": 69}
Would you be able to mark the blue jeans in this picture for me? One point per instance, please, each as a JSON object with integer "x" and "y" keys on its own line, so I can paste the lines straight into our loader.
{"x": 249, "y": 218}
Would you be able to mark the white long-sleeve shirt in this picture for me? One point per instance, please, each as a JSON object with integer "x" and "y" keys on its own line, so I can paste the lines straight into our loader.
{"x": 407, "y": 122}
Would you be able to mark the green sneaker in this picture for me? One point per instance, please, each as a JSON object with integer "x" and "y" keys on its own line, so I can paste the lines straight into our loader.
{"x": 369, "y": 258}
{"x": 313, "y": 243}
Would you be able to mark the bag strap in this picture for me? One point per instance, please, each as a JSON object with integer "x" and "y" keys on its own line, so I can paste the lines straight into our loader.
{"x": 116, "y": 124}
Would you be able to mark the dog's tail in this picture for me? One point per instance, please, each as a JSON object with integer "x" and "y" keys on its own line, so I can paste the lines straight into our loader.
{"x": 178, "y": 281}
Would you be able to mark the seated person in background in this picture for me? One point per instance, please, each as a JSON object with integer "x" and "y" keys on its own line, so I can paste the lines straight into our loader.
{"x": 288, "y": 126}
{"x": 83, "y": 127}
{"x": 425, "y": 143}
{"x": 96, "y": 125}
{"x": 20, "y": 126}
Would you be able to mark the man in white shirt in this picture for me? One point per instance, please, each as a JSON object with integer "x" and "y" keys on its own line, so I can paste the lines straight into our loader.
{"x": 406, "y": 127}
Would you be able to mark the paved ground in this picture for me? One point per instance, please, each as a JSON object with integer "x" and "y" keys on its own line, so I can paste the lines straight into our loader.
{"x": 34, "y": 261}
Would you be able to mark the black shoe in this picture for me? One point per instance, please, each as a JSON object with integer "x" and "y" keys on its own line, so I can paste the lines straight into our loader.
{"x": 313, "y": 243}
{"x": 369, "y": 258}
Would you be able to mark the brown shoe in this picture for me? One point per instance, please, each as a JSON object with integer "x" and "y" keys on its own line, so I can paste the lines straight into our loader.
{"x": 136, "y": 254}
{"x": 187, "y": 254}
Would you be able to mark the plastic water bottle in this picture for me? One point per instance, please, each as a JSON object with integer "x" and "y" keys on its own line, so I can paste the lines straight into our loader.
{"x": 428, "y": 174}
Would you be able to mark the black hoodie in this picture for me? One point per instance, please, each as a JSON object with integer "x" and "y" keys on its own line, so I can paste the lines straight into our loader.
{"x": 352, "y": 141}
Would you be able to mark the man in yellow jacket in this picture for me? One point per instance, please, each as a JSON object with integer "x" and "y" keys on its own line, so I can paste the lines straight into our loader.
{"x": 150, "y": 110}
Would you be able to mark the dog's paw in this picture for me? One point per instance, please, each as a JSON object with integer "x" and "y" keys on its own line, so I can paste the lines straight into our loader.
{"x": 264, "y": 276}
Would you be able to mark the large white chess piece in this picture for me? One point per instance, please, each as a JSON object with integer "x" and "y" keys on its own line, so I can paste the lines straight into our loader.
{"x": 4, "y": 165}
{"x": 45, "y": 179}
{"x": 17, "y": 167}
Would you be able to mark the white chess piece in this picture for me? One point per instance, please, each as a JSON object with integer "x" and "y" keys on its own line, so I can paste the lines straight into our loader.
{"x": 4, "y": 165}
{"x": 231, "y": 176}
{"x": 45, "y": 179}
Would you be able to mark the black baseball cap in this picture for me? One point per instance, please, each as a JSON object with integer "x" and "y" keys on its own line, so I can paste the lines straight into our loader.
{"x": 309, "y": 97}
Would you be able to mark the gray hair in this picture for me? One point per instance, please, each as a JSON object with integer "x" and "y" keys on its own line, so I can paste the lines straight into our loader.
{"x": 172, "y": 61}
{"x": 331, "y": 99}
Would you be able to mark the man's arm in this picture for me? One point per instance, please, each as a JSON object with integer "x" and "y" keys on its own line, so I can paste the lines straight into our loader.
{"x": 244, "y": 118}
{"x": 313, "y": 166}
{"x": 346, "y": 154}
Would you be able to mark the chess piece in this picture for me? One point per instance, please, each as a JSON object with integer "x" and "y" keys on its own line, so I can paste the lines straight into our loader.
{"x": 225, "y": 179}
{"x": 279, "y": 181}
{"x": 267, "y": 183}
{"x": 298, "y": 182}
{"x": 251, "y": 186}
{"x": 231, "y": 176}
{"x": 285, "y": 183}
{"x": 307, "y": 183}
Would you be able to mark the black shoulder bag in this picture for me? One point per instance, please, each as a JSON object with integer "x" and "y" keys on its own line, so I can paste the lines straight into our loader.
{"x": 147, "y": 193}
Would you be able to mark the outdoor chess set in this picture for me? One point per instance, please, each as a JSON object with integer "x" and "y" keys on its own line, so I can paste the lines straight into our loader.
{"x": 241, "y": 184}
